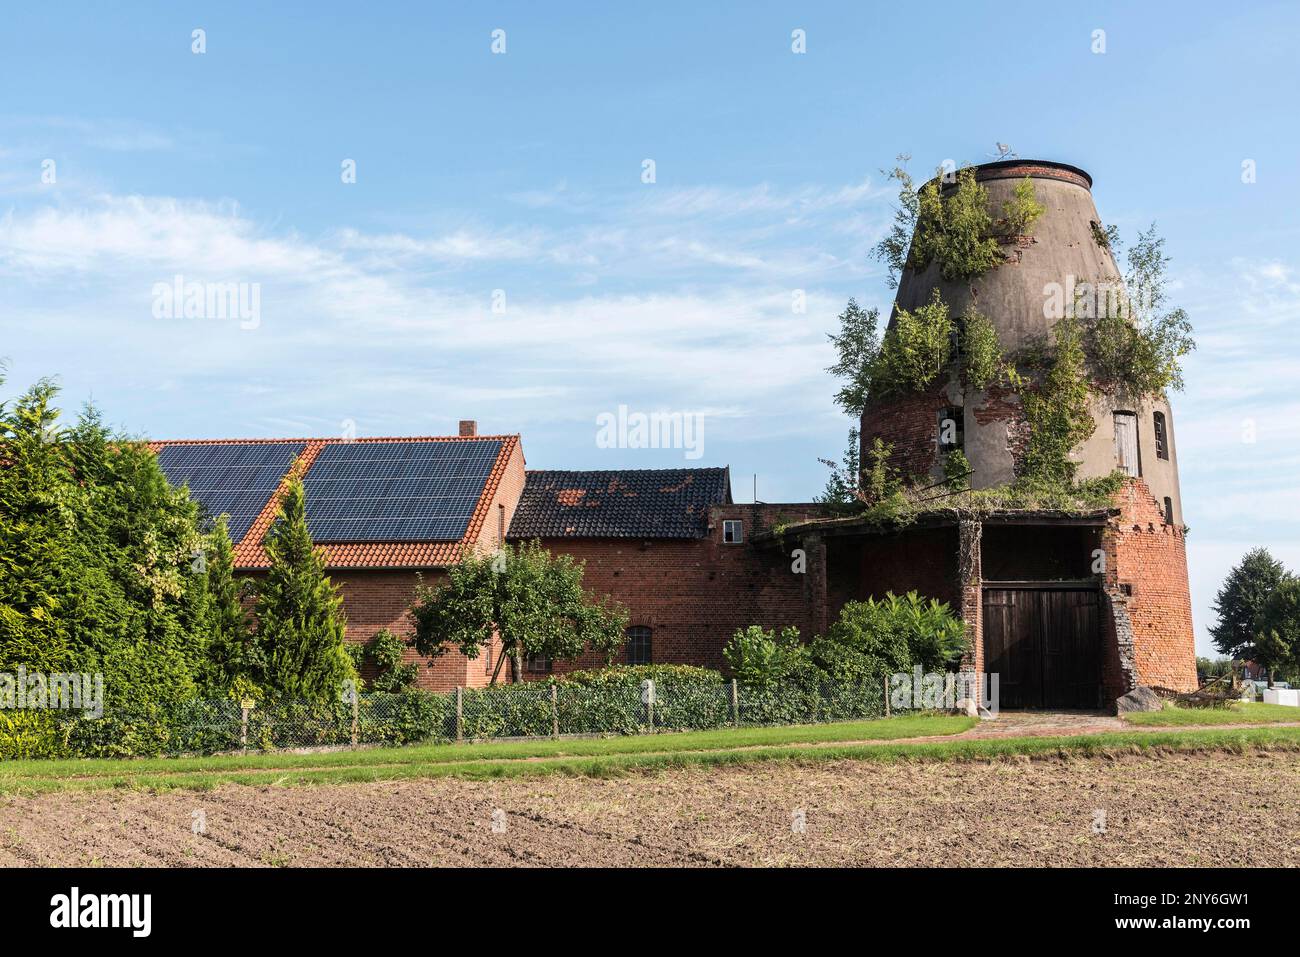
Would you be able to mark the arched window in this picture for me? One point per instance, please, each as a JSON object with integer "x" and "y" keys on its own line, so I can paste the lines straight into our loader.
{"x": 951, "y": 429}
{"x": 1127, "y": 455}
{"x": 638, "y": 645}
{"x": 1162, "y": 436}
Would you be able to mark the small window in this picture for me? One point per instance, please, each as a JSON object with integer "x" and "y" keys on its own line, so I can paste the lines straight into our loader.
{"x": 1126, "y": 444}
{"x": 537, "y": 664}
{"x": 1169, "y": 510}
{"x": 1162, "y": 438}
{"x": 487, "y": 659}
{"x": 733, "y": 531}
{"x": 638, "y": 645}
{"x": 952, "y": 429}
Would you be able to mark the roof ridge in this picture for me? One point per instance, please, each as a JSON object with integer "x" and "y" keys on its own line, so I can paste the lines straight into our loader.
{"x": 687, "y": 468}
{"x": 338, "y": 440}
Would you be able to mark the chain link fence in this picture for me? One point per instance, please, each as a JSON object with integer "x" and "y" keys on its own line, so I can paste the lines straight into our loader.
{"x": 542, "y": 709}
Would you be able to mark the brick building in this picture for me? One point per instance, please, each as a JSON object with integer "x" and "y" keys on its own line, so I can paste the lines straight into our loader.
{"x": 1069, "y": 609}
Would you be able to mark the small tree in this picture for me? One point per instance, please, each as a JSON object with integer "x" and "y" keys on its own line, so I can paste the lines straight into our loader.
{"x": 842, "y": 487}
{"x": 1021, "y": 211}
{"x": 954, "y": 229}
{"x": 233, "y": 661}
{"x": 915, "y": 350}
{"x": 858, "y": 345}
{"x": 880, "y": 480}
{"x": 1240, "y": 600}
{"x": 1277, "y": 632}
{"x": 758, "y": 657}
{"x": 532, "y": 600}
{"x": 394, "y": 675}
{"x": 982, "y": 360}
{"x": 300, "y": 621}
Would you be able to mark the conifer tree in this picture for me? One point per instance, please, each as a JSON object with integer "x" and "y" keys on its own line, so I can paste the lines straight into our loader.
{"x": 232, "y": 660}
{"x": 300, "y": 620}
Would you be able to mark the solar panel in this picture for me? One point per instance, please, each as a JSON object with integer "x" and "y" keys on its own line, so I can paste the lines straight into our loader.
{"x": 236, "y": 480}
{"x": 396, "y": 491}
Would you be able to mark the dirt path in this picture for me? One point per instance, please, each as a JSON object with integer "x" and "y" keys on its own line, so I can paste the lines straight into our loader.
{"x": 1160, "y": 810}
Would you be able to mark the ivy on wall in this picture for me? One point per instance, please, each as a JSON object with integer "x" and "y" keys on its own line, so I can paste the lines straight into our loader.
{"x": 1054, "y": 394}
{"x": 982, "y": 360}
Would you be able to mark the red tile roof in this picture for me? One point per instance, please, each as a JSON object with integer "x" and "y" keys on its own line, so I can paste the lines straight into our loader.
{"x": 249, "y": 553}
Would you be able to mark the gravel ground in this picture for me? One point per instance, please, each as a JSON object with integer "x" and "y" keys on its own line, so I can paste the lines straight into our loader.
{"x": 1154, "y": 810}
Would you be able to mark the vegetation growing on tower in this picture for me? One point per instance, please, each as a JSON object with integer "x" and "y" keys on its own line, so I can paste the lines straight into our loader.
{"x": 1135, "y": 350}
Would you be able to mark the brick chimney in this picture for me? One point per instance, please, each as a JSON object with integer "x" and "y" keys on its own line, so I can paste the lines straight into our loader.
{"x": 468, "y": 427}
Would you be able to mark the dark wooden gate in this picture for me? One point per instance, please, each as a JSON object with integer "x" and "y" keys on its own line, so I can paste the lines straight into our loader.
{"x": 1044, "y": 643}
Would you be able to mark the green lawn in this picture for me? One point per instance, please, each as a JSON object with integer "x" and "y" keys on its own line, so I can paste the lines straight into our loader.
{"x": 1246, "y": 712}
{"x": 905, "y": 726}
{"x": 612, "y": 757}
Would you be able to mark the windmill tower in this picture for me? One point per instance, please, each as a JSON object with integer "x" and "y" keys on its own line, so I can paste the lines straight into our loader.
{"x": 1141, "y": 569}
{"x": 1064, "y": 264}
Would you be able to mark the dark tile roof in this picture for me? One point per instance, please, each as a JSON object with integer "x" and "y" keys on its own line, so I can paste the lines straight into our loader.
{"x": 636, "y": 503}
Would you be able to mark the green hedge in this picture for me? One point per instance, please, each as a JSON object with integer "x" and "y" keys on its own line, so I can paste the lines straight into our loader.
{"x": 585, "y": 702}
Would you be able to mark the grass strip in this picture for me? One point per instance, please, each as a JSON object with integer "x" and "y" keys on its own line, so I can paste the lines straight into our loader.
{"x": 1246, "y": 712}
{"x": 905, "y": 726}
{"x": 1239, "y": 740}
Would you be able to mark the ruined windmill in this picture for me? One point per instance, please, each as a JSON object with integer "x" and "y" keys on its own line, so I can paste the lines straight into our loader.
{"x": 1073, "y": 606}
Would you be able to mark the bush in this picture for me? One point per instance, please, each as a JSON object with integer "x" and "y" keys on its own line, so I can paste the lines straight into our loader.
{"x": 955, "y": 230}
{"x": 915, "y": 350}
{"x": 759, "y": 658}
{"x": 982, "y": 359}
{"x": 386, "y": 651}
{"x": 1021, "y": 211}
{"x": 880, "y": 638}
{"x": 686, "y": 698}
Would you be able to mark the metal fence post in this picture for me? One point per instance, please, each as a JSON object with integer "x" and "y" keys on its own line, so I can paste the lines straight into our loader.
{"x": 555, "y": 713}
{"x": 886, "y": 681}
{"x": 460, "y": 712}
{"x": 243, "y": 728}
{"x": 356, "y": 717}
{"x": 650, "y": 707}
{"x": 735, "y": 704}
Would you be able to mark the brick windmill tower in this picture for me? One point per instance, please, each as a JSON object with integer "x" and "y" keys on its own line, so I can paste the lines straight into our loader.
{"x": 1071, "y": 607}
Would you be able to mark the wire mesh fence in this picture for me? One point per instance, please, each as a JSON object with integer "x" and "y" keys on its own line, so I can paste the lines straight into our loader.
{"x": 542, "y": 709}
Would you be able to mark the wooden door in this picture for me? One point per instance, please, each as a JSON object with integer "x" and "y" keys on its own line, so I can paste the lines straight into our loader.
{"x": 1045, "y": 646}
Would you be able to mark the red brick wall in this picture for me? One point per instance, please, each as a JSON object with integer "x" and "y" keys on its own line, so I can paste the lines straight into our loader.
{"x": 695, "y": 593}
{"x": 911, "y": 424}
{"x": 379, "y": 599}
{"x": 1151, "y": 557}
{"x": 375, "y": 599}
{"x": 504, "y": 501}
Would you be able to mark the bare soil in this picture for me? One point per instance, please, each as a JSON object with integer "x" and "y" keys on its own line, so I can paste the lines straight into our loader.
{"x": 1151, "y": 809}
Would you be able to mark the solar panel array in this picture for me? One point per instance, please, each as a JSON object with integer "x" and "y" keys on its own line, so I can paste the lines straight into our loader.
{"x": 236, "y": 480}
{"x": 396, "y": 491}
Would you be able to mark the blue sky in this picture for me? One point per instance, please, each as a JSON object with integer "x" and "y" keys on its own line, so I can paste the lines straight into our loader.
{"x": 522, "y": 173}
